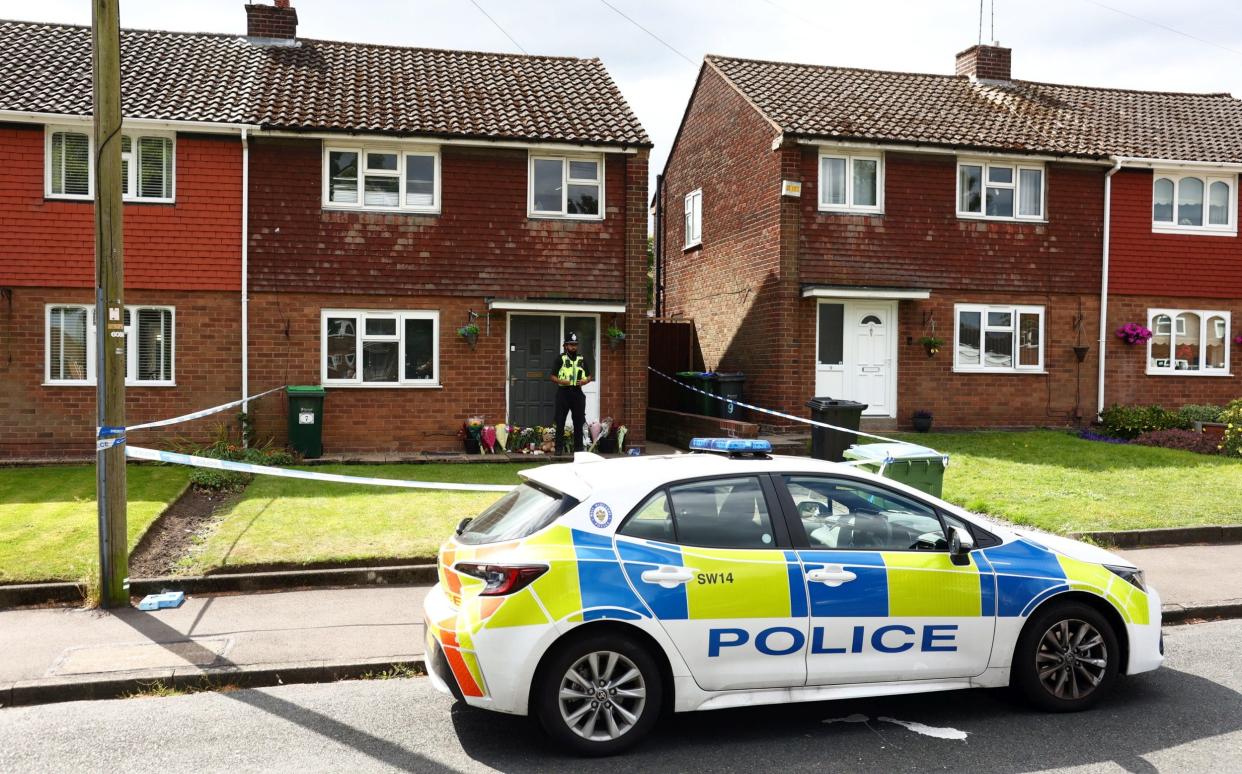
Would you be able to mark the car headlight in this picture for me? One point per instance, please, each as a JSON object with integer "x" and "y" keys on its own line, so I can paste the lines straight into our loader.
{"x": 1128, "y": 574}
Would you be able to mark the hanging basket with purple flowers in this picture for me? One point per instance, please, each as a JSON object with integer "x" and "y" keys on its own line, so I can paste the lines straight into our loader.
{"x": 1238, "y": 339}
{"x": 1134, "y": 333}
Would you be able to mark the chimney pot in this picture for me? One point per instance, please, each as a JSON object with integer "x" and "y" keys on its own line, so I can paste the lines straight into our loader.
{"x": 985, "y": 63}
{"x": 279, "y": 21}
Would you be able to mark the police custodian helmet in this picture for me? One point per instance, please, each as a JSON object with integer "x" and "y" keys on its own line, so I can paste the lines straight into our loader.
{"x": 571, "y": 338}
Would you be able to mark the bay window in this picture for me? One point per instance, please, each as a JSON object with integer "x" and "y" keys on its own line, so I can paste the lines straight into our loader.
{"x": 567, "y": 187}
{"x": 148, "y": 342}
{"x": 379, "y": 348}
{"x": 850, "y": 182}
{"x": 1193, "y": 203}
{"x": 1001, "y": 191}
{"x": 381, "y": 178}
{"x": 998, "y": 338}
{"x": 147, "y": 165}
{"x": 1188, "y": 342}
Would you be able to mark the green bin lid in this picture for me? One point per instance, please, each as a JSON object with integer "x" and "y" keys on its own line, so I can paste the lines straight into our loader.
{"x": 305, "y": 390}
{"x": 893, "y": 452}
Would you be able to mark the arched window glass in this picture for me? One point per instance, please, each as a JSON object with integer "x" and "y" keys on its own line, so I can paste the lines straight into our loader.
{"x": 1214, "y": 343}
{"x": 872, "y": 320}
{"x": 1186, "y": 343}
{"x": 1162, "y": 201}
{"x": 1218, "y": 204}
{"x": 1190, "y": 202}
{"x": 1160, "y": 347}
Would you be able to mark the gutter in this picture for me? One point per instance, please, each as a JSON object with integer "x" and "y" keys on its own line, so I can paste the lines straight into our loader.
{"x": 245, "y": 274}
{"x": 1108, "y": 210}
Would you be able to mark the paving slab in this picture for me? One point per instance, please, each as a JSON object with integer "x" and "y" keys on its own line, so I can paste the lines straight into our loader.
{"x": 1191, "y": 576}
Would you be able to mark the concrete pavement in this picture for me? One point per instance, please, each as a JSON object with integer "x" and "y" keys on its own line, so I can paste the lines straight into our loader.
{"x": 1193, "y": 581}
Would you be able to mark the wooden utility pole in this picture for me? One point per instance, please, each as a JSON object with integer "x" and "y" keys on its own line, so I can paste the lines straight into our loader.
{"x": 109, "y": 307}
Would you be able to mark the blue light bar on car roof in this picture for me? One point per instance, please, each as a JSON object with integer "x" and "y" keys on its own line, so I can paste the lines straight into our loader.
{"x": 731, "y": 445}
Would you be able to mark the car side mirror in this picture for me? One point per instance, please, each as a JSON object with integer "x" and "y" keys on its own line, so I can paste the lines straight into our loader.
{"x": 461, "y": 525}
{"x": 960, "y": 546}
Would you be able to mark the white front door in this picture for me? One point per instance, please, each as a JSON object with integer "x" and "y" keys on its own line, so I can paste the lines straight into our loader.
{"x": 856, "y": 355}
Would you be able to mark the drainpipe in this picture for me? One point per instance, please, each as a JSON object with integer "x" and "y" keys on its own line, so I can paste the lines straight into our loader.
{"x": 1108, "y": 209}
{"x": 657, "y": 281}
{"x": 245, "y": 274}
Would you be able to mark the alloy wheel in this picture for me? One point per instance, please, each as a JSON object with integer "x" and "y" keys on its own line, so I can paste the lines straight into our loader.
{"x": 1072, "y": 659}
{"x": 602, "y": 696}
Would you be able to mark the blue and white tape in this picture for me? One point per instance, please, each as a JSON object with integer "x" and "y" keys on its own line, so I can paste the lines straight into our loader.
{"x": 200, "y": 414}
{"x": 780, "y": 414}
{"x": 176, "y": 458}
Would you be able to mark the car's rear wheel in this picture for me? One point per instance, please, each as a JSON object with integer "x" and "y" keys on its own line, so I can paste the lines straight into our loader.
{"x": 599, "y": 695}
{"x": 1067, "y": 659}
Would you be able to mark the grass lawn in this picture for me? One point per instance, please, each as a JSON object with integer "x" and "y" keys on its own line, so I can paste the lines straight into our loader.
{"x": 48, "y": 518}
{"x": 1059, "y": 482}
{"x": 287, "y": 520}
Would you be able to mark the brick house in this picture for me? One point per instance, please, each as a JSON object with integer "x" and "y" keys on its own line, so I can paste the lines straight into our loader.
{"x": 822, "y": 225}
{"x": 388, "y": 196}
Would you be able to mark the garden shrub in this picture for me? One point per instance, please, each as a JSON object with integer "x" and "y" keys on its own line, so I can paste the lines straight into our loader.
{"x": 1232, "y": 417}
{"x": 1186, "y": 440}
{"x": 225, "y": 448}
{"x": 1132, "y": 421}
{"x": 1200, "y": 413}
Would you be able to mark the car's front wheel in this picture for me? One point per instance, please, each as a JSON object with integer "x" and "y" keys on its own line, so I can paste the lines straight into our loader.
{"x": 1067, "y": 659}
{"x": 599, "y": 695}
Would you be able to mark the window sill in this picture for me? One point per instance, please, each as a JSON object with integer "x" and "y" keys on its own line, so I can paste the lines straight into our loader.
{"x": 128, "y": 385}
{"x": 691, "y": 248}
{"x": 1194, "y": 231}
{"x": 1196, "y": 374}
{"x": 90, "y": 199}
{"x": 995, "y": 219}
{"x": 871, "y": 212}
{"x": 1002, "y": 371}
{"x": 378, "y": 210}
{"x": 572, "y": 218}
{"x": 383, "y": 386}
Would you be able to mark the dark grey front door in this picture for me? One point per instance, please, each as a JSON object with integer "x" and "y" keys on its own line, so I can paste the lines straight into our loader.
{"x": 534, "y": 343}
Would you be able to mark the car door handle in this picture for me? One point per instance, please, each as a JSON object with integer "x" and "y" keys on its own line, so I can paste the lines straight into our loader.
{"x": 832, "y": 575}
{"x": 669, "y": 577}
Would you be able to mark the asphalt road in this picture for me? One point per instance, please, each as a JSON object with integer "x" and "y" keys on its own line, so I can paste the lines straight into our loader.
{"x": 1185, "y": 717}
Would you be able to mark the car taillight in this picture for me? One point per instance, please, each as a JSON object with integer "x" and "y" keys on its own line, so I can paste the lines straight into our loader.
{"x": 502, "y": 578}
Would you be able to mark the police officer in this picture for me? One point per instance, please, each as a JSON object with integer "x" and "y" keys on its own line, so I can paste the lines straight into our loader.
{"x": 570, "y": 376}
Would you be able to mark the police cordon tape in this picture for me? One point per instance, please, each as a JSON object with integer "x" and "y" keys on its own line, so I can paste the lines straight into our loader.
{"x": 176, "y": 458}
{"x": 201, "y": 414}
{"x": 804, "y": 420}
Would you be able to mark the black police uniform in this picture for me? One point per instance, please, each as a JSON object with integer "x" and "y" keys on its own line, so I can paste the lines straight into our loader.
{"x": 570, "y": 399}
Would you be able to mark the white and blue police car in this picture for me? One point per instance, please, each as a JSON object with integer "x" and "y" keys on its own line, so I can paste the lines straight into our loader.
{"x": 599, "y": 592}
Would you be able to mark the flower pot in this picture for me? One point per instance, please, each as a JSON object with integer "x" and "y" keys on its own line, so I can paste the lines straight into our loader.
{"x": 615, "y": 341}
{"x": 607, "y": 445}
{"x": 472, "y": 445}
{"x": 921, "y": 424}
{"x": 471, "y": 339}
{"x": 1080, "y": 352}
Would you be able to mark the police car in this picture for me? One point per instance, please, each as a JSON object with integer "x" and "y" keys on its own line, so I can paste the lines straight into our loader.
{"x": 601, "y": 592}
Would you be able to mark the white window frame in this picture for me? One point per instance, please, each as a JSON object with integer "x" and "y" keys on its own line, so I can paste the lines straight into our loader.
{"x": 134, "y": 137}
{"x": 1017, "y": 166}
{"x": 850, "y": 157}
{"x": 131, "y": 348}
{"x": 692, "y": 220}
{"x": 1015, "y": 310}
{"x": 1179, "y": 328}
{"x": 360, "y": 317}
{"x": 403, "y": 151}
{"x": 566, "y": 181}
{"x": 1204, "y": 229}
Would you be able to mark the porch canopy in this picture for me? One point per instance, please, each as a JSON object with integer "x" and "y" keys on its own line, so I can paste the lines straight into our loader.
{"x": 841, "y": 291}
{"x": 569, "y": 305}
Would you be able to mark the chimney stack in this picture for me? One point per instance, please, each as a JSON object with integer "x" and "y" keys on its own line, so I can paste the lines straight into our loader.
{"x": 985, "y": 63}
{"x": 274, "y": 22}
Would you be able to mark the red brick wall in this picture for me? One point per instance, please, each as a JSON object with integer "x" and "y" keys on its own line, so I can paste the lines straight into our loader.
{"x": 285, "y": 349}
{"x": 730, "y": 286}
{"x": 1127, "y": 381}
{"x": 1142, "y": 263}
{"x": 194, "y": 244}
{"x": 920, "y": 242}
{"x": 55, "y": 421}
{"x": 482, "y": 242}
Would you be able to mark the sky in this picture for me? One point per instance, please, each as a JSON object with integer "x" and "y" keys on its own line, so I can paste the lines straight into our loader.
{"x": 1188, "y": 45}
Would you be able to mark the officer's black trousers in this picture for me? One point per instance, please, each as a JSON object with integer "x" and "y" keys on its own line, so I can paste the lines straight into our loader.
{"x": 570, "y": 400}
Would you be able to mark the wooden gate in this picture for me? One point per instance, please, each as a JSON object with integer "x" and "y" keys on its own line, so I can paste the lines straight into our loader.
{"x": 673, "y": 348}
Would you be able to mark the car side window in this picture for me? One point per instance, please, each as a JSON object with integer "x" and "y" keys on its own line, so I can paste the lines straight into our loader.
{"x": 652, "y": 520}
{"x": 722, "y": 513}
{"x": 845, "y": 514}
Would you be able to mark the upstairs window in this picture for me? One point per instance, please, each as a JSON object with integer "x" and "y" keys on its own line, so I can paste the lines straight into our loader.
{"x": 1193, "y": 204}
{"x": 149, "y": 345}
{"x": 567, "y": 187}
{"x": 380, "y": 349}
{"x": 1188, "y": 342}
{"x": 381, "y": 178}
{"x": 147, "y": 165}
{"x": 998, "y": 338}
{"x": 694, "y": 219}
{"x": 1000, "y": 191}
{"x": 850, "y": 182}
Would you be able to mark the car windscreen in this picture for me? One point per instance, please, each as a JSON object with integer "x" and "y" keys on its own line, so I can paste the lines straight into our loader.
{"x": 522, "y": 512}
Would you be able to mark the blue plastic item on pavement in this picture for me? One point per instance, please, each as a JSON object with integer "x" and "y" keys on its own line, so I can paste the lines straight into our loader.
{"x": 161, "y": 601}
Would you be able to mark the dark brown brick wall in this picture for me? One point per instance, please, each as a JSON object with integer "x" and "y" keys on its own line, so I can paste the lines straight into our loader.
{"x": 271, "y": 21}
{"x": 989, "y": 63}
